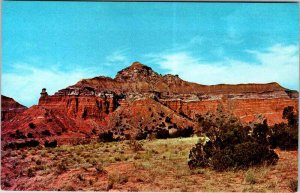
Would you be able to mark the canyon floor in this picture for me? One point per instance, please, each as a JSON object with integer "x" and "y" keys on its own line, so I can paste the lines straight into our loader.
{"x": 156, "y": 165}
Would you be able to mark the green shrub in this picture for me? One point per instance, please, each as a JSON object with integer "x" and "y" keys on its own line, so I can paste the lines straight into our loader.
{"x": 6, "y": 182}
{"x": 198, "y": 157}
{"x": 106, "y": 137}
{"x": 31, "y": 125}
{"x": 29, "y": 135}
{"x": 289, "y": 114}
{"x": 100, "y": 169}
{"x": 252, "y": 153}
{"x": 61, "y": 167}
{"x": 46, "y": 133}
{"x": 141, "y": 135}
{"x": 38, "y": 162}
{"x": 30, "y": 173}
{"x": 185, "y": 132}
{"x": 168, "y": 120}
{"x": 222, "y": 159}
{"x": 227, "y": 144}
{"x": 285, "y": 136}
{"x": 240, "y": 155}
{"x": 162, "y": 133}
{"x": 19, "y": 145}
{"x": 51, "y": 144}
{"x": 135, "y": 146}
{"x": 250, "y": 177}
{"x": 19, "y": 135}
{"x": 80, "y": 177}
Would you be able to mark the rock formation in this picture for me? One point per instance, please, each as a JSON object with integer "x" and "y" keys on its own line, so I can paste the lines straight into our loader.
{"x": 139, "y": 99}
{"x": 10, "y": 108}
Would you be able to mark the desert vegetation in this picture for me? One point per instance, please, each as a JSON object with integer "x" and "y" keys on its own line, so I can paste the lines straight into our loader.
{"x": 225, "y": 143}
{"x": 285, "y": 135}
{"x": 226, "y": 155}
{"x": 145, "y": 165}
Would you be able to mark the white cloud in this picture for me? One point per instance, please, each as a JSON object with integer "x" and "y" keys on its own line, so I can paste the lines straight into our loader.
{"x": 117, "y": 57}
{"x": 279, "y": 63}
{"x": 25, "y": 83}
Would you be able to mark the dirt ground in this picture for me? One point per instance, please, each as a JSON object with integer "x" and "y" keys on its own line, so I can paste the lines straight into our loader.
{"x": 157, "y": 165}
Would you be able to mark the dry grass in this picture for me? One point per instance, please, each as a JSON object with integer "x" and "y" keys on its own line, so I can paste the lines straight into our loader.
{"x": 156, "y": 165}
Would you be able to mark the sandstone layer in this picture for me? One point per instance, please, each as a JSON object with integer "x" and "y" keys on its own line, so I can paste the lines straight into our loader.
{"x": 10, "y": 108}
{"x": 140, "y": 99}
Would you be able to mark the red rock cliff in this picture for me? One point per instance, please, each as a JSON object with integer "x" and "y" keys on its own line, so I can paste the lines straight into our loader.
{"x": 140, "y": 99}
{"x": 10, "y": 108}
{"x": 96, "y": 97}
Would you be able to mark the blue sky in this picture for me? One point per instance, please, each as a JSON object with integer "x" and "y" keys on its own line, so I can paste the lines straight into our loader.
{"x": 55, "y": 44}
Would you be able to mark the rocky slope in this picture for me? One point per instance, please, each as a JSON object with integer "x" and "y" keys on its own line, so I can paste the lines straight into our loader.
{"x": 10, "y": 108}
{"x": 138, "y": 100}
{"x": 139, "y": 78}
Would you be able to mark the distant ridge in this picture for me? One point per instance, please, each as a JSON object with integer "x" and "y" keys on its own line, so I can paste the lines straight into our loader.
{"x": 10, "y": 108}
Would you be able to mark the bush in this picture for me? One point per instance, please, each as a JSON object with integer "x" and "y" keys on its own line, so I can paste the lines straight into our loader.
{"x": 162, "y": 133}
{"x": 29, "y": 135}
{"x": 238, "y": 156}
{"x": 141, "y": 135}
{"x": 168, "y": 120}
{"x": 18, "y": 145}
{"x": 260, "y": 131}
{"x": 61, "y": 167}
{"x": 198, "y": 157}
{"x": 46, "y": 133}
{"x": 186, "y": 132}
{"x": 30, "y": 173}
{"x": 32, "y": 143}
{"x": 289, "y": 114}
{"x": 51, "y": 144}
{"x": 227, "y": 144}
{"x": 12, "y": 135}
{"x": 106, "y": 137}
{"x": 222, "y": 159}
{"x": 162, "y": 114}
{"x": 80, "y": 177}
{"x": 135, "y": 146}
{"x": 31, "y": 125}
{"x": 100, "y": 170}
{"x": 19, "y": 135}
{"x": 181, "y": 132}
{"x": 252, "y": 153}
{"x": 94, "y": 131}
{"x": 38, "y": 162}
{"x": 6, "y": 182}
{"x": 250, "y": 177}
{"x": 127, "y": 136}
{"x": 285, "y": 136}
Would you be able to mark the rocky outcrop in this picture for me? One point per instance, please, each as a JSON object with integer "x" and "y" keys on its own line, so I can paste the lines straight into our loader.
{"x": 10, "y": 108}
{"x": 138, "y": 99}
{"x": 139, "y": 78}
{"x": 97, "y": 97}
{"x": 82, "y": 107}
{"x": 246, "y": 109}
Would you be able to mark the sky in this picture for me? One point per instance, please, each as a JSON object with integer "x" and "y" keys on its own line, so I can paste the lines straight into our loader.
{"x": 53, "y": 45}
